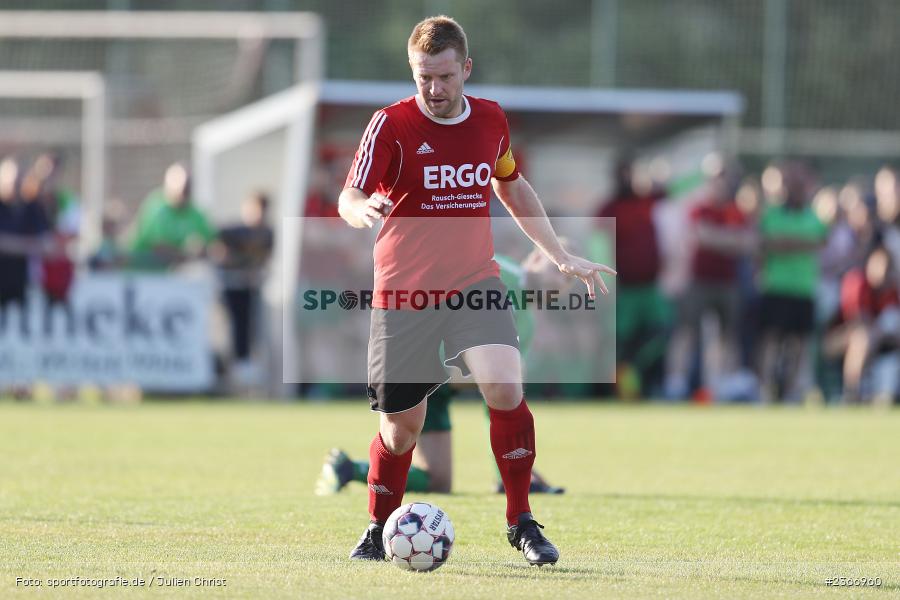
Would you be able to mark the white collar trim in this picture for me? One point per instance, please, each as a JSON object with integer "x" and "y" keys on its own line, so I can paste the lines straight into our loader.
{"x": 440, "y": 121}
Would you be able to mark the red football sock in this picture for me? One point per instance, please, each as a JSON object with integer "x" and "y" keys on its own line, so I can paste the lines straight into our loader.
{"x": 512, "y": 440}
{"x": 387, "y": 479}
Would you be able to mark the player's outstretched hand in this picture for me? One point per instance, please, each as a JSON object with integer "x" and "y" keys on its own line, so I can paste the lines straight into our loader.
{"x": 587, "y": 271}
{"x": 375, "y": 208}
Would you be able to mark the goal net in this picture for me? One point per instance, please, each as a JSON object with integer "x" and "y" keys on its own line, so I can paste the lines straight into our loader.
{"x": 164, "y": 74}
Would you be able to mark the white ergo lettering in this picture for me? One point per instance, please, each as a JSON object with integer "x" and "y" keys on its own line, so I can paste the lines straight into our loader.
{"x": 448, "y": 176}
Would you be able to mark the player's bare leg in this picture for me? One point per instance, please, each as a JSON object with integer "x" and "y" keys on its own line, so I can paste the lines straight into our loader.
{"x": 434, "y": 455}
{"x": 497, "y": 370}
{"x": 798, "y": 379}
{"x": 857, "y": 353}
{"x": 769, "y": 352}
{"x": 401, "y": 430}
{"x": 390, "y": 456}
{"x": 678, "y": 363}
{"x": 432, "y": 463}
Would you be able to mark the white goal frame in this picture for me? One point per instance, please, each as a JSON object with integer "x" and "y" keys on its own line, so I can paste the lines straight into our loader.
{"x": 294, "y": 111}
{"x": 89, "y": 89}
{"x": 305, "y": 28}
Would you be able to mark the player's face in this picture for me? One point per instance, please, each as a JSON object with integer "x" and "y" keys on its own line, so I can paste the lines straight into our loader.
{"x": 439, "y": 79}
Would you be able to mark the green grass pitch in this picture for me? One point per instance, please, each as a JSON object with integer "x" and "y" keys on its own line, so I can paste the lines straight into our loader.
{"x": 662, "y": 502}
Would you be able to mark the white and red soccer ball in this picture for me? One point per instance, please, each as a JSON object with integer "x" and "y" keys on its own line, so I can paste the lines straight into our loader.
{"x": 418, "y": 536}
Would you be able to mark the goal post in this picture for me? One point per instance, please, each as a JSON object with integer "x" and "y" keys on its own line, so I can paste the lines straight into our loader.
{"x": 306, "y": 28}
{"x": 266, "y": 145}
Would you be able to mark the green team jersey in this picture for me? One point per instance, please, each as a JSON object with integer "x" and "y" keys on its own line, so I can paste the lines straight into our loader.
{"x": 161, "y": 223}
{"x": 791, "y": 273}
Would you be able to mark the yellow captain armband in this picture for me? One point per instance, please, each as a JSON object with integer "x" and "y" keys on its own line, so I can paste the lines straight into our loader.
{"x": 506, "y": 164}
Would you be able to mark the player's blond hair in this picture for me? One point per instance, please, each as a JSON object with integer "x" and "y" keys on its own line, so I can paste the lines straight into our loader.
{"x": 435, "y": 34}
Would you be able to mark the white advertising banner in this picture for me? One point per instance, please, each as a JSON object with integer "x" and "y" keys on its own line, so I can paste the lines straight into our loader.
{"x": 148, "y": 330}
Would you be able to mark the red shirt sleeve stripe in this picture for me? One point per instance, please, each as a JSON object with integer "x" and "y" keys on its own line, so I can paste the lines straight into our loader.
{"x": 367, "y": 150}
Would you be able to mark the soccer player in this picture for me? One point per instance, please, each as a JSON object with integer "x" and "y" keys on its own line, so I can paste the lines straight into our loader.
{"x": 414, "y": 154}
{"x": 431, "y": 469}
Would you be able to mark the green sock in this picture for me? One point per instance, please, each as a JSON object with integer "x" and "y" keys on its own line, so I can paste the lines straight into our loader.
{"x": 417, "y": 480}
{"x": 361, "y": 470}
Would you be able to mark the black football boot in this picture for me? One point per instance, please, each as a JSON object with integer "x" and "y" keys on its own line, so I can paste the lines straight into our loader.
{"x": 527, "y": 537}
{"x": 370, "y": 545}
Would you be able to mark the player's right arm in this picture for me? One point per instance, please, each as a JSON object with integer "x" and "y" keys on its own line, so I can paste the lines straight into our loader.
{"x": 360, "y": 210}
{"x": 358, "y": 204}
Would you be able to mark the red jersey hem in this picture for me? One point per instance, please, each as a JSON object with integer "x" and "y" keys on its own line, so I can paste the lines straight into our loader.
{"x": 493, "y": 270}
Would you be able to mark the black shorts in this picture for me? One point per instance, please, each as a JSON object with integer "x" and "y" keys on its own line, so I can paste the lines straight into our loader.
{"x": 404, "y": 345}
{"x": 787, "y": 314}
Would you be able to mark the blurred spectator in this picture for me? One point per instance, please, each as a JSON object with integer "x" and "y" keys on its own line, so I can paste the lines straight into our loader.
{"x": 170, "y": 229}
{"x": 57, "y": 269}
{"x": 23, "y": 232}
{"x": 57, "y": 276}
{"x": 641, "y": 310}
{"x": 749, "y": 200}
{"x": 837, "y": 255}
{"x": 242, "y": 252}
{"x": 860, "y": 218}
{"x": 868, "y": 335}
{"x": 887, "y": 198}
{"x": 720, "y": 234}
{"x": 109, "y": 255}
{"x": 42, "y": 184}
{"x": 791, "y": 236}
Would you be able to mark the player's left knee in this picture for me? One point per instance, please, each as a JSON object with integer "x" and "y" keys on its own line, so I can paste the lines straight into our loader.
{"x": 398, "y": 440}
{"x": 399, "y": 431}
{"x": 502, "y": 396}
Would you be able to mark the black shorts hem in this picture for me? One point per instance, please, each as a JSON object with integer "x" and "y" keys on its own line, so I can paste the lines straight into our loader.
{"x": 400, "y": 402}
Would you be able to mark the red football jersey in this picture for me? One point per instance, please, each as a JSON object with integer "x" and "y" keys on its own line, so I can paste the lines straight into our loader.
{"x": 709, "y": 265}
{"x": 433, "y": 169}
{"x": 637, "y": 248}
{"x": 859, "y": 299}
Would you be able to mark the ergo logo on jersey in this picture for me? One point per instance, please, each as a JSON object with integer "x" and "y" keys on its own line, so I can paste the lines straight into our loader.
{"x": 448, "y": 176}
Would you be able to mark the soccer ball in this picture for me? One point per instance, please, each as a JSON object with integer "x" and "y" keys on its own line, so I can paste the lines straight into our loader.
{"x": 418, "y": 536}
